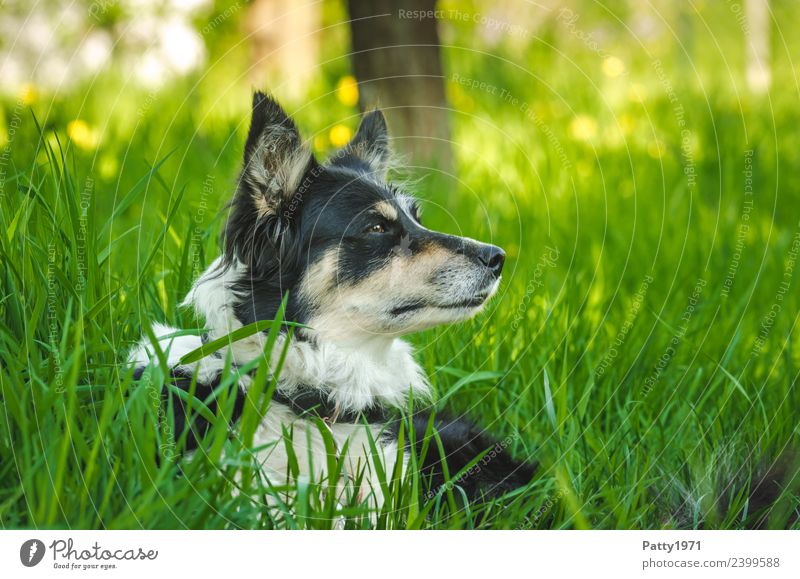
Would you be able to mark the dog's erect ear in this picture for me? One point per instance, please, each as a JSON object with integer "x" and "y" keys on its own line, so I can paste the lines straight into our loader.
{"x": 370, "y": 144}
{"x": 275, "y": 159}
{"x": 275, "y": 168}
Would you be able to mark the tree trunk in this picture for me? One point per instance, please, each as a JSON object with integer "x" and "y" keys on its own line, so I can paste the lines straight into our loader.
{"x": 397, "y": 62}
{"x": 284, "y": 45}
{"x": 759, "y": 72}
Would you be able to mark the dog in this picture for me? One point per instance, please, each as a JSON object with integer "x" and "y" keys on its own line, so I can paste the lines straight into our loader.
{"x": 361, "y": 271}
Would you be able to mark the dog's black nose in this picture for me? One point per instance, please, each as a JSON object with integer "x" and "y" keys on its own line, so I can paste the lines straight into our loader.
{"x": 492, "y": 257}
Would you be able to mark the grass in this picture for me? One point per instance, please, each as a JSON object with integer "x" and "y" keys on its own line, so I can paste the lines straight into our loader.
{"x": 643, "y": 347}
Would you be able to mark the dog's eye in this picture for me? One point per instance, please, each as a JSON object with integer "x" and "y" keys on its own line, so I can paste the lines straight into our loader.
{"x": 377, "y": 228}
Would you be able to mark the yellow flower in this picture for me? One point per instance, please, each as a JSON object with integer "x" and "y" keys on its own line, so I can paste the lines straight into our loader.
{"x": 583, "y": 128}
{"x": 28, "y": 94}
{"x": 340, "y": 135}
{"x": 627, "y": 123}
{"x": 108, "y": 166}
{"x": 347, "y": 91}
{"x": 82, "y": 134}
{"x": 656, "y": 149}
{"x": 320, "y": 142}
{"x": 613, "y": 67}
{"x": 460, "y": 99}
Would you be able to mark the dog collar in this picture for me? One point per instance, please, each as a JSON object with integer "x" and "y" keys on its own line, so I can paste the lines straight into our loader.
{"x": 306, "y": 401}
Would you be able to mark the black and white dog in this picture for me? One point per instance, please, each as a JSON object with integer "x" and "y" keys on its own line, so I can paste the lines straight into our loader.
{"x": 360, "y": 270}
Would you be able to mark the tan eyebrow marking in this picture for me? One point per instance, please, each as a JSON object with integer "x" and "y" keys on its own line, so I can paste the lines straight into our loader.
{"x": 387, "y": 210}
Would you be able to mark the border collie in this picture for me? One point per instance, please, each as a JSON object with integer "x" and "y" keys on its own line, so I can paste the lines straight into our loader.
{"x": 361, "y": 270}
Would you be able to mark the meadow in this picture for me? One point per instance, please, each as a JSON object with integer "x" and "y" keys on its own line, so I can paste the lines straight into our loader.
{"x": 641, "y": 349}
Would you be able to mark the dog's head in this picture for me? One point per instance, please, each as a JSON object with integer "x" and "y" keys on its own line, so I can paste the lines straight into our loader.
{"x": 349, "y": 247}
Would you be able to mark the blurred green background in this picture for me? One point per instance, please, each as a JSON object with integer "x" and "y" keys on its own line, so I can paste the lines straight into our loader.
{"x": 640, "y": 164}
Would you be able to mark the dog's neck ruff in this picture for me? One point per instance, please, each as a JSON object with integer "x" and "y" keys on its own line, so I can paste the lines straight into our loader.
{"x": 376, "y": 374}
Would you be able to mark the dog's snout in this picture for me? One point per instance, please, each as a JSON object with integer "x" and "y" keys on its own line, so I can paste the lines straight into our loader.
{"x": 492, "y": 257}
{"x": 485, "y": 254}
